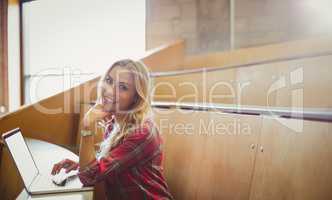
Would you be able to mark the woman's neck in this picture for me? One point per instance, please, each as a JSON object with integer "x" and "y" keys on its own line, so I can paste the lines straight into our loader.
{"x": 119, "y": 118}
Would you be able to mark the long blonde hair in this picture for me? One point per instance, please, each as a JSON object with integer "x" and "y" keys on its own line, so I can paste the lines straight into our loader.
{"x": 141, "y": 108}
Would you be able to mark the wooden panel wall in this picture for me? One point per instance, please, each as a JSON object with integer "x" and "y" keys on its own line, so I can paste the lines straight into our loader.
{"x": 295, "y": 163}
{"x": 165, "y": 58}
{"x": 304, "y": 82}
{"x": 9, "y": 187}
{"x": 208, "y": 155}
{"x": 247, "y": 157}
{"x": 197, "y": 87}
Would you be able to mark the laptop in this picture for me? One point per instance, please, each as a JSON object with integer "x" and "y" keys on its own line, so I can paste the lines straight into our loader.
{"x": 34, "y": 181}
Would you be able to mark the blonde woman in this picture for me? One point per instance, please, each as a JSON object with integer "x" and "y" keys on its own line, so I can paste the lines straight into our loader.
{"x": 130, "y": 157}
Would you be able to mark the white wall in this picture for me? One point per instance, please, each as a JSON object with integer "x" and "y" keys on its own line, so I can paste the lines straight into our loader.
{"x": 13, "y": 55}
{"x": 79, "y": 38}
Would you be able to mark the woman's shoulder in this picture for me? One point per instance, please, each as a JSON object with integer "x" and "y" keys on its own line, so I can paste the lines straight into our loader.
{"x": 148, "y": 126}
{"x": 147, "y": 131}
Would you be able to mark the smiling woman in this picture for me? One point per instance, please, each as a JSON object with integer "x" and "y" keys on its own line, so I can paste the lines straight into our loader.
{"x": 130, "y": 160}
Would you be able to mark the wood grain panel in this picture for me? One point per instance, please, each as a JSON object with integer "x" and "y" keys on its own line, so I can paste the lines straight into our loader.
{"x": 208, "y": 155}
{"x": 308, "y": 83}
{"x": 11, "y": 182}
{"x": 217, "y": 86}
{"x": 296, "y": 161}
{"x": 165, "y": 58}
{"x": 304, "y": 82}
{"x": 254, "y": 83}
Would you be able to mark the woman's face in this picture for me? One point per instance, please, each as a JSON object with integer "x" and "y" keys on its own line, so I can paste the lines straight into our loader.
{"x": 118, "y": 90}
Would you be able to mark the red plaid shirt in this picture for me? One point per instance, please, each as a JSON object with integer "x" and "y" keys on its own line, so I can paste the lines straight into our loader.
{"x": 133, "y": 169}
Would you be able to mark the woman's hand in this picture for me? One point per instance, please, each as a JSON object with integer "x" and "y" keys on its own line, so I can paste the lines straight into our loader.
{"x": 67, "y": 164}
{"x": 94, "y": 114}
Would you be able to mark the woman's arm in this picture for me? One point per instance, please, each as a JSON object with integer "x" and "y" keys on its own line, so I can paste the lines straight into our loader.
{"x": 141, "y": 146}
{"x": 87, "y": 154}
{"x": 87, "y": 149}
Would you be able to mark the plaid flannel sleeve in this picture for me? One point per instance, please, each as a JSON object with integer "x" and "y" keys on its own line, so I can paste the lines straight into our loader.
{"x": 137, "y": 147}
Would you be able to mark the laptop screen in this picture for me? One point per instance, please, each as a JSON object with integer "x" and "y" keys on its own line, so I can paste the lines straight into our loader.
{"x": 22, "y": 157}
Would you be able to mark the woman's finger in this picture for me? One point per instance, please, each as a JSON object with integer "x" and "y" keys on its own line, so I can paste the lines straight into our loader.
{"x": 58, "y": 169}
{"x": 73, "y": 166}
{"x": 61, "y": 165}
{"x": 54, "y": 169}
{"x": 66, "y": 163}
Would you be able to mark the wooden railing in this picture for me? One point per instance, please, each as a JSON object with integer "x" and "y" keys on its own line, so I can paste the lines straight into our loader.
{"x": 317, "y": 114}
{"x": 203, "y": 68}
